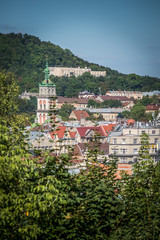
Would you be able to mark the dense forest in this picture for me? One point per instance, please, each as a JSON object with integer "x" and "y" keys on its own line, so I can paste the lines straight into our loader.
{"x": 25, "y": 55}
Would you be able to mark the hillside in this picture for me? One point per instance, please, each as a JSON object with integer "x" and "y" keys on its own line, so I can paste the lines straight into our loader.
{"x": 25, "y": 55}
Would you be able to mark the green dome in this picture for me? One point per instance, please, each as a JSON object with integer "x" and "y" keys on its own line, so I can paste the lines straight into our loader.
{"x": 47, "y": 81}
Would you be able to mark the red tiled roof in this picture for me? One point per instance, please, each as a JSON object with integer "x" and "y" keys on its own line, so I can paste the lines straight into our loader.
{"x": 120, "y": 168}
{"x": 131, "y": 121}
{"x": 126, "y": 103}
{"x": 79, "y": 114}
{"x": 59, "y": 132}
{"x": 152, "y": 107}
{"x": 108, "y": 128}
{"x": 83, "y": 101}
{"x": 123, "y": 167}
{"x": 121, "y": 98}
{"x": 83, "y": 130}
{"x": 72, "y": 134}
{"x": 72, "y": 100}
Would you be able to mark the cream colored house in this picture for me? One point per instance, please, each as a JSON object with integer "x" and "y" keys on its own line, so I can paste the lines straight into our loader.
{"x": 79, "y": 103}
{"x": 124, "y": 142}
{"x": 129, "y": 94}
{"x": 62, "y": 140}
{"x": 69, "y": 71}
{"x": 109, "y": 114}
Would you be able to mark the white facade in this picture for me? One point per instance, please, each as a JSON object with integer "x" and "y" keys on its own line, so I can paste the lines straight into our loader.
{"x": 46, "y": 98}
{"x": 68, "y": 72}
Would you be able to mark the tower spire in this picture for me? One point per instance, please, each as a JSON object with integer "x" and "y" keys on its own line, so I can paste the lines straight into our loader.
{"x": 46, "y": 70}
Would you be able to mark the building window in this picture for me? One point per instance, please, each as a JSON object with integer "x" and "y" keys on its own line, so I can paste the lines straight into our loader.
{"x": 115, "y": 141}
{"x": 44, "y": 104}
{"x": 135, "y": 151}
{"x": 44, "y": 118}
{"x": 123, "y": 141}
{"x": 130, "y": 132}
{"x": 123, "y": 160}
{"x": 153, "y": 131}
{"x": 40, "y": 119}
{"x": 115, "y": 151}
{"x": 156, "y": 140}
{"x": 143, "y": 132}
{"x": 135, "y": 141}
{"x": 123, "y": 151}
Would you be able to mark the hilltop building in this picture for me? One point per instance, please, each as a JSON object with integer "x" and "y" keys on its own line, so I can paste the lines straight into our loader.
{"x": 47, "y": 93}
{"x": 69, "y": 72}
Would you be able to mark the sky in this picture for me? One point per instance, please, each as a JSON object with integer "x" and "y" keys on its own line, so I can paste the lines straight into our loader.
{"x": 121, "y": 34}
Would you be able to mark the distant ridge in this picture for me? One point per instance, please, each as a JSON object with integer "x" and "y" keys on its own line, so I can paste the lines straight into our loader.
{"x": 25, "y": 55}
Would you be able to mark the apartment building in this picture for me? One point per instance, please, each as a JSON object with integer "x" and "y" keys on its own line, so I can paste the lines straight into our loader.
{"x": 109, "y": 114}
{"x": 69, "y": 72}
{"x": 125, "y": 141}
{"x": 129, "y": 94}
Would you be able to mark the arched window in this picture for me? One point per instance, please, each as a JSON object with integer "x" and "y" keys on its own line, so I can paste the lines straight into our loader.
{"x": 49, "y": 90}
{"x": 44, "y": 118}
{"x": 44, "y": 104}
{"x": 40, "y": 118}
{"x": 40, "y": 104}
{"x": 41, "y": 91}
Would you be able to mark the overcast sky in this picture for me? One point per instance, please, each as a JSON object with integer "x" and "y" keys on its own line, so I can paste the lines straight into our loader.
{"x": 121, "y": 34}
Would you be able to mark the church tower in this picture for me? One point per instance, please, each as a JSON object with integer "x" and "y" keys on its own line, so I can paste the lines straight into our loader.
{"x": 47, "y": 91}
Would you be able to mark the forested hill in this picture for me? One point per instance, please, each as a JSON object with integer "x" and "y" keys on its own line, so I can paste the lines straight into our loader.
{"x": 25, "y": 55}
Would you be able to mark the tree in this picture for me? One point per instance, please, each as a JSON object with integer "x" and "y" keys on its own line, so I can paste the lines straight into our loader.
{"x": 39, "y": 199}
{"x": 93, "y": 103}
{"x": 28, "y": 192}
{"x": 145, "y": 101}
{"x": 111, "y": 103}
{"x": 66, "y": 110}
{"x": 141, "y": 197}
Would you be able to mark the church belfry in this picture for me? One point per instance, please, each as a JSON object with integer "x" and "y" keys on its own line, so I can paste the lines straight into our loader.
{"x": 47, "y": 90}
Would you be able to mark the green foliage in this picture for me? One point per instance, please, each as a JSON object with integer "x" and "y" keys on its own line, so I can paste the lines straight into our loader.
{"x": 27, "y": 106}
{"x": 39, "y": 199}
{"x": 25, "y": 56}
{"x": 111, "y": 103}
{"x": 93, "y": 103}
{"x": 107, "y": 103}
{"x": 141, "y": 197}
{"x": 138, "y": 110}
{"x": 8, "y": 95}
{"x": 65, "y": 111}
{"x": 145, "y": 101}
